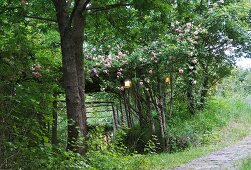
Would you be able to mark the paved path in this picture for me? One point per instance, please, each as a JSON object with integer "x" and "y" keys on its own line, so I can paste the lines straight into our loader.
{"x": 228, "y": 158}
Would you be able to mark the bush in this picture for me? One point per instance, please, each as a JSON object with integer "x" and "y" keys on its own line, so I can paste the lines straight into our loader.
{"x": 105, "y": 155}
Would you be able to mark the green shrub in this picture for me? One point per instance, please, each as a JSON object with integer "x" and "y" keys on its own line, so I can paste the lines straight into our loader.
{"x": 112, "y": 155}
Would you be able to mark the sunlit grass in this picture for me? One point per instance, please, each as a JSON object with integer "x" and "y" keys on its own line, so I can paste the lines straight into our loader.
{"x": 238, "y": 125}
{"x": 246, "y": 164}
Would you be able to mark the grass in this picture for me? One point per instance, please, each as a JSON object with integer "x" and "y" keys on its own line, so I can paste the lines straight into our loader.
{"x": 231, "y": 123}
{"x": 246, "y": 164}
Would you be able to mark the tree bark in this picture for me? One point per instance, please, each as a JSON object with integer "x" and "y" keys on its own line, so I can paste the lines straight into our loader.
{"x": 171, "y": 91}
{"x": 162, "y": 119}
{"x": 203, "y": 93}
{"x": 142, "y": 123}
{"x": 71, "y": 28}
{"x": 55, "y": 121}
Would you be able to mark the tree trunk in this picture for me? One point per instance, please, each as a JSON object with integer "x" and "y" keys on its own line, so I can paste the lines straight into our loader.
{"x": 171, "y": 91}
{"x": 191, "y": 91}
{"x": 142, "y": 123}
{"x": 126, "y": 110}
{"x": 121, "y": 110}
{"x": 190, "y": 96}
{"x": 71, "y": 28}
{"x": 55, "y": 121}
{"x": 162, "y": 118}
{"x": 115, "y": 119}
{"x": 203, "y": 93}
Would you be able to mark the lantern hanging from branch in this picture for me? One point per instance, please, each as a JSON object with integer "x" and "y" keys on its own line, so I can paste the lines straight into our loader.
{"x": 128, "y": 83}
{"x": 167, "y": 80}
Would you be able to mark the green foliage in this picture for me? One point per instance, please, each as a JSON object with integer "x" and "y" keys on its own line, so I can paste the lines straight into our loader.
{"x": 152, "y": 145}
{"x": 201, "y": 129}
{"x": 141, "y": 140}
{"x": 144, "y": 40}
{"x": 104, "y": 155}
{"x": 42, "y": 157}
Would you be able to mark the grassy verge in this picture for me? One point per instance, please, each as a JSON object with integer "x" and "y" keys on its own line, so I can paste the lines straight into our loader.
{"x": 231, "y": 121}
{"x": 246, "y": 164}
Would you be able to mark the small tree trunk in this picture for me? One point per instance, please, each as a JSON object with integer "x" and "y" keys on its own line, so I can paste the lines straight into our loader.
{"x": 190, "y": 92}
{"x": 142, "y": 123}
{"x": 203, "y": 93}
{"x": 127, "y": 110}
{"x": 171, "y": 91}
{"x": 55, "y": 121}
{"x": 162, "y": 118}
{"x": 115, "y": 120}
{"x": 121, "y": 110}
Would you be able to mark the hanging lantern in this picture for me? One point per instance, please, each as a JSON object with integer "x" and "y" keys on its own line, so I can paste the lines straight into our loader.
{"x": 168, "y": 81}
{"x": 128, "y": 83}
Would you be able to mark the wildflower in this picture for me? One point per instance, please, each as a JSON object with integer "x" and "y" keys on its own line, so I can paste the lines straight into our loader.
{"x": 196, "y": 33}
{"x": 187, "y": 31}
{"x": 122, "y": 88}
{"x": 181, "y": 71}
{"x": 36, "y": 67}
{"x": 194, "y": 61}
{"x": 107, "y": 64}
{"x": 154, "y": 54}
{"x": 36, "y": 74}
{"x": 141, "y": 83}
{"x": 119, "y": 74}
{"x": 105, "y": 71}
{"x": 189, "y": 24}
{"x": 120, "y": 53}
{"x": 191, "y": 67}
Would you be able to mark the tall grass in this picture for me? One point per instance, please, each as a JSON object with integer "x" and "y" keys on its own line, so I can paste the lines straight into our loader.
{"x": 224, "y": 121}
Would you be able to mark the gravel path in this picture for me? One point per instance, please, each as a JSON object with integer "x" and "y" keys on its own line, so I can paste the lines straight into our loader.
{"x": 228, "y": 158}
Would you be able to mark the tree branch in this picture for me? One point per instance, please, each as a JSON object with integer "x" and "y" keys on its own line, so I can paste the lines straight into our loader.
{"x": 85, "y": 5}
{"x": 77, "y": 7}
{"x": 108, "y": 7}
{"x": 40, "y": 18}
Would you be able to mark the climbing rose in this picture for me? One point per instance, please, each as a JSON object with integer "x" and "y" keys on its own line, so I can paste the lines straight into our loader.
{"x": 105, "y": 71}
{"x": 194, "y": 61}
{"x": 181, "y": 71}
{"x": 36, "y": 74}
{"x": 141, "y": 83}
{"x": 191, "y": 67}
{"x": 189, "y": 24}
